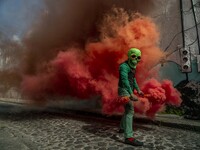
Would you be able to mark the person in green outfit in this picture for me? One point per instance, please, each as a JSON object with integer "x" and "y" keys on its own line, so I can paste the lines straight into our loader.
{"x": 127, "y": 84}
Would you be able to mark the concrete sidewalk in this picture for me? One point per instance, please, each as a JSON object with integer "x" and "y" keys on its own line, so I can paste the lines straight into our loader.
{"x": 13, "y": 105}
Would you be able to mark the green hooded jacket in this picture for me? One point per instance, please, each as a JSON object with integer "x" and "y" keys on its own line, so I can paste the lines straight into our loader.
{"x": 127, "y": 81}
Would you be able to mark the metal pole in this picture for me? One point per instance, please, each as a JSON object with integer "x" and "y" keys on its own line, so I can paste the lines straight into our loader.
{"x": 195, "y": 20}
{"x": 183, "y": 33}
{"x": 182, "y": 22}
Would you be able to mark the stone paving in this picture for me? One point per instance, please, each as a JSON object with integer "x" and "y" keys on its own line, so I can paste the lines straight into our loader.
{"x": 44, "y": 130}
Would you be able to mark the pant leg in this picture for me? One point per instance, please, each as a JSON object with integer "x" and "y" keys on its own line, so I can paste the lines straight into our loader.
{"x": 127, "y": 120}
{"x": 122, "y": 122}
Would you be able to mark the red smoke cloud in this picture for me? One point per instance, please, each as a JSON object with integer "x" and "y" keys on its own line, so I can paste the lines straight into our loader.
{"x": 157, "y": 96}
{"x": 84, "y": 73}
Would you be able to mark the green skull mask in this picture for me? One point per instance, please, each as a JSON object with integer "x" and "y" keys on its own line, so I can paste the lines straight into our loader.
{"x": 134, "y": 56}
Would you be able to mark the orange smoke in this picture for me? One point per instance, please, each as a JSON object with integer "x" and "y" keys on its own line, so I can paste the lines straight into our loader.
{"x": 94, "y": 70}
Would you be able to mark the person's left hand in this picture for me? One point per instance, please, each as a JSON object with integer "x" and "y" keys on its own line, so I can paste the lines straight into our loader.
{"x": 140, "y": 93}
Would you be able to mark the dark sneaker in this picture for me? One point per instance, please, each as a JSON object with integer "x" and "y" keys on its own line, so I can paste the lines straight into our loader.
{"x": 134, "y": 142}
{"x": 121, "y": 131}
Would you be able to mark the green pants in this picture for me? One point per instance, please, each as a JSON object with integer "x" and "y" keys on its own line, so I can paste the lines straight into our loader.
{"x": 127, "y": 120}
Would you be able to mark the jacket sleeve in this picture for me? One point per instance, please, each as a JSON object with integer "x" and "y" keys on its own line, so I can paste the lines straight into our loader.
{"x": 123, "y": 71}
{"x": 136, "y": 85}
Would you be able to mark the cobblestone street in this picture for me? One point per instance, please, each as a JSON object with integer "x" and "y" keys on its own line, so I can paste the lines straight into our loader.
{"x": 42, "y": 130}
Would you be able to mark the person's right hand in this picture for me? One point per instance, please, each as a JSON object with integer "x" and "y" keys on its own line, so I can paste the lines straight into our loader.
{"x": 133, "y": 97}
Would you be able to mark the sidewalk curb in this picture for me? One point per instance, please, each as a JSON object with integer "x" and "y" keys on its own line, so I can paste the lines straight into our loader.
{"x": 137, "y": 119}
{"x": 160, "y": 120}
